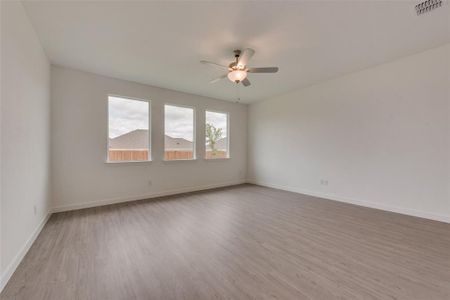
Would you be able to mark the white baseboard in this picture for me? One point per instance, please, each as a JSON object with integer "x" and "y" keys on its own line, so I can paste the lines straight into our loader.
{"x": 11, "y": 268}
{"x": 395, "y": 209}
{"x": 144, "y": 196}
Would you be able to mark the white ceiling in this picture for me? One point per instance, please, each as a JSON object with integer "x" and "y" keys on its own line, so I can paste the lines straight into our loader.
{"x": 161, "y": 43}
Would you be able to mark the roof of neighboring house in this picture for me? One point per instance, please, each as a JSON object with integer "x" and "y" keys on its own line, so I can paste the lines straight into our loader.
{"x": 172, "y": 143}
{"x": 138, "y": 139}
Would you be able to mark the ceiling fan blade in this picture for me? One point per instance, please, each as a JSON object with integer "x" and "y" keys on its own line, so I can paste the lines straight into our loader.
{"x": 246, "y": 82}
{"x": 245, "y": 57}
{"x": 263, "y": 70}
{"x": 213, "y": 64}
{"x": 219, "y": 78}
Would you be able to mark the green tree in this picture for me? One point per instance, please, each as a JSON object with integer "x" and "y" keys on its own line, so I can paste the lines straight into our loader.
{"x": 213, "y": 134}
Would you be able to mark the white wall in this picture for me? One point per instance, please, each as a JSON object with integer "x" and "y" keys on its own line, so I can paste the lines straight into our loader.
{"x": 25, "y": 136}
{"x": 380, "y": 137}
{"x": 80, "y": 176}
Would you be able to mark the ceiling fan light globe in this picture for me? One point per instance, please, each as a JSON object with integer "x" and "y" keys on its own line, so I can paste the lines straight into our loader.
{"x": 237, "y": 75}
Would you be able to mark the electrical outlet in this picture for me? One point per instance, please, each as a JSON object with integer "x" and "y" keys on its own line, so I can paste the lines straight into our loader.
{"x": 35, "y": 209}
{"x": 324, "y": 182}
{"x": 150, "y": 183}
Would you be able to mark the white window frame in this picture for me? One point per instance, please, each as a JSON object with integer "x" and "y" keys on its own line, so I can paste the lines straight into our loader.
{"x": 150, "y": 149}
{"x": 194, "y": 133}
{"x": 228, "y": 135}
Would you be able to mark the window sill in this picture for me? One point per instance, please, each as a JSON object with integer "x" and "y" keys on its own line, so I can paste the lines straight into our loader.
{"x": 127, "y": 162}
{"x": 217, "y": 159}
{"x": 173, "y": 160}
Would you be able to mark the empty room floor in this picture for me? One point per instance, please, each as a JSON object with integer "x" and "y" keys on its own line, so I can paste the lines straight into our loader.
{"x": 241, "y": 242}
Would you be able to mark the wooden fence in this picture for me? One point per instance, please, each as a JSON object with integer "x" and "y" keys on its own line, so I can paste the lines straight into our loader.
{"x": 128, "y": 155}
{"x": 140, "y": 155}
{"x": 216, "y": 154}
{"x": 174, "y": 155}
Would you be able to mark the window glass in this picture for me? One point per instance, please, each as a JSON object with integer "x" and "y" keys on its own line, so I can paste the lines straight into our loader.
{"x": 128, "y": 130}
{"x": 179, "y": 143}
{"x": 216, "y": 135}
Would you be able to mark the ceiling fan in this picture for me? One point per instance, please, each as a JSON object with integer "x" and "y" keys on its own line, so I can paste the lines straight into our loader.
{"x": 238, "y": 69}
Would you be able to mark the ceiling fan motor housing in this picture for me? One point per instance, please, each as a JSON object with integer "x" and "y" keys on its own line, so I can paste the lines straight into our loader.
{"x": 232, "y": 65}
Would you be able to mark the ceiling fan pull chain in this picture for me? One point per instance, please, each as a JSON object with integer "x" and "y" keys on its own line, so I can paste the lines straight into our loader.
{"x": 238, "y": 97}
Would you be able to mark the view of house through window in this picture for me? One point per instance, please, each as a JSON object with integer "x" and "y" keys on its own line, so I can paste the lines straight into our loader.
{"x": 216, "y": 130}
{"x": 178, "y": 133}
{"x": 128, "y": 130}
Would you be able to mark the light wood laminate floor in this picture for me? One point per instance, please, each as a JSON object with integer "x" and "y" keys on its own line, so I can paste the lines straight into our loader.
{"x": 242, "y": 242}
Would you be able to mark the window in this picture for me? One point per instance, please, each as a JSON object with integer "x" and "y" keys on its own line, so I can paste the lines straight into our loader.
{"x": 216, "y": 135}
{"x": 179, "y": 143}
{"x": 128, "y": 130}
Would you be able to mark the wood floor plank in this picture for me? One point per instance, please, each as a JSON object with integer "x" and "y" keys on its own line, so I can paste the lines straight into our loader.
{"x": 242, "y": 242}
